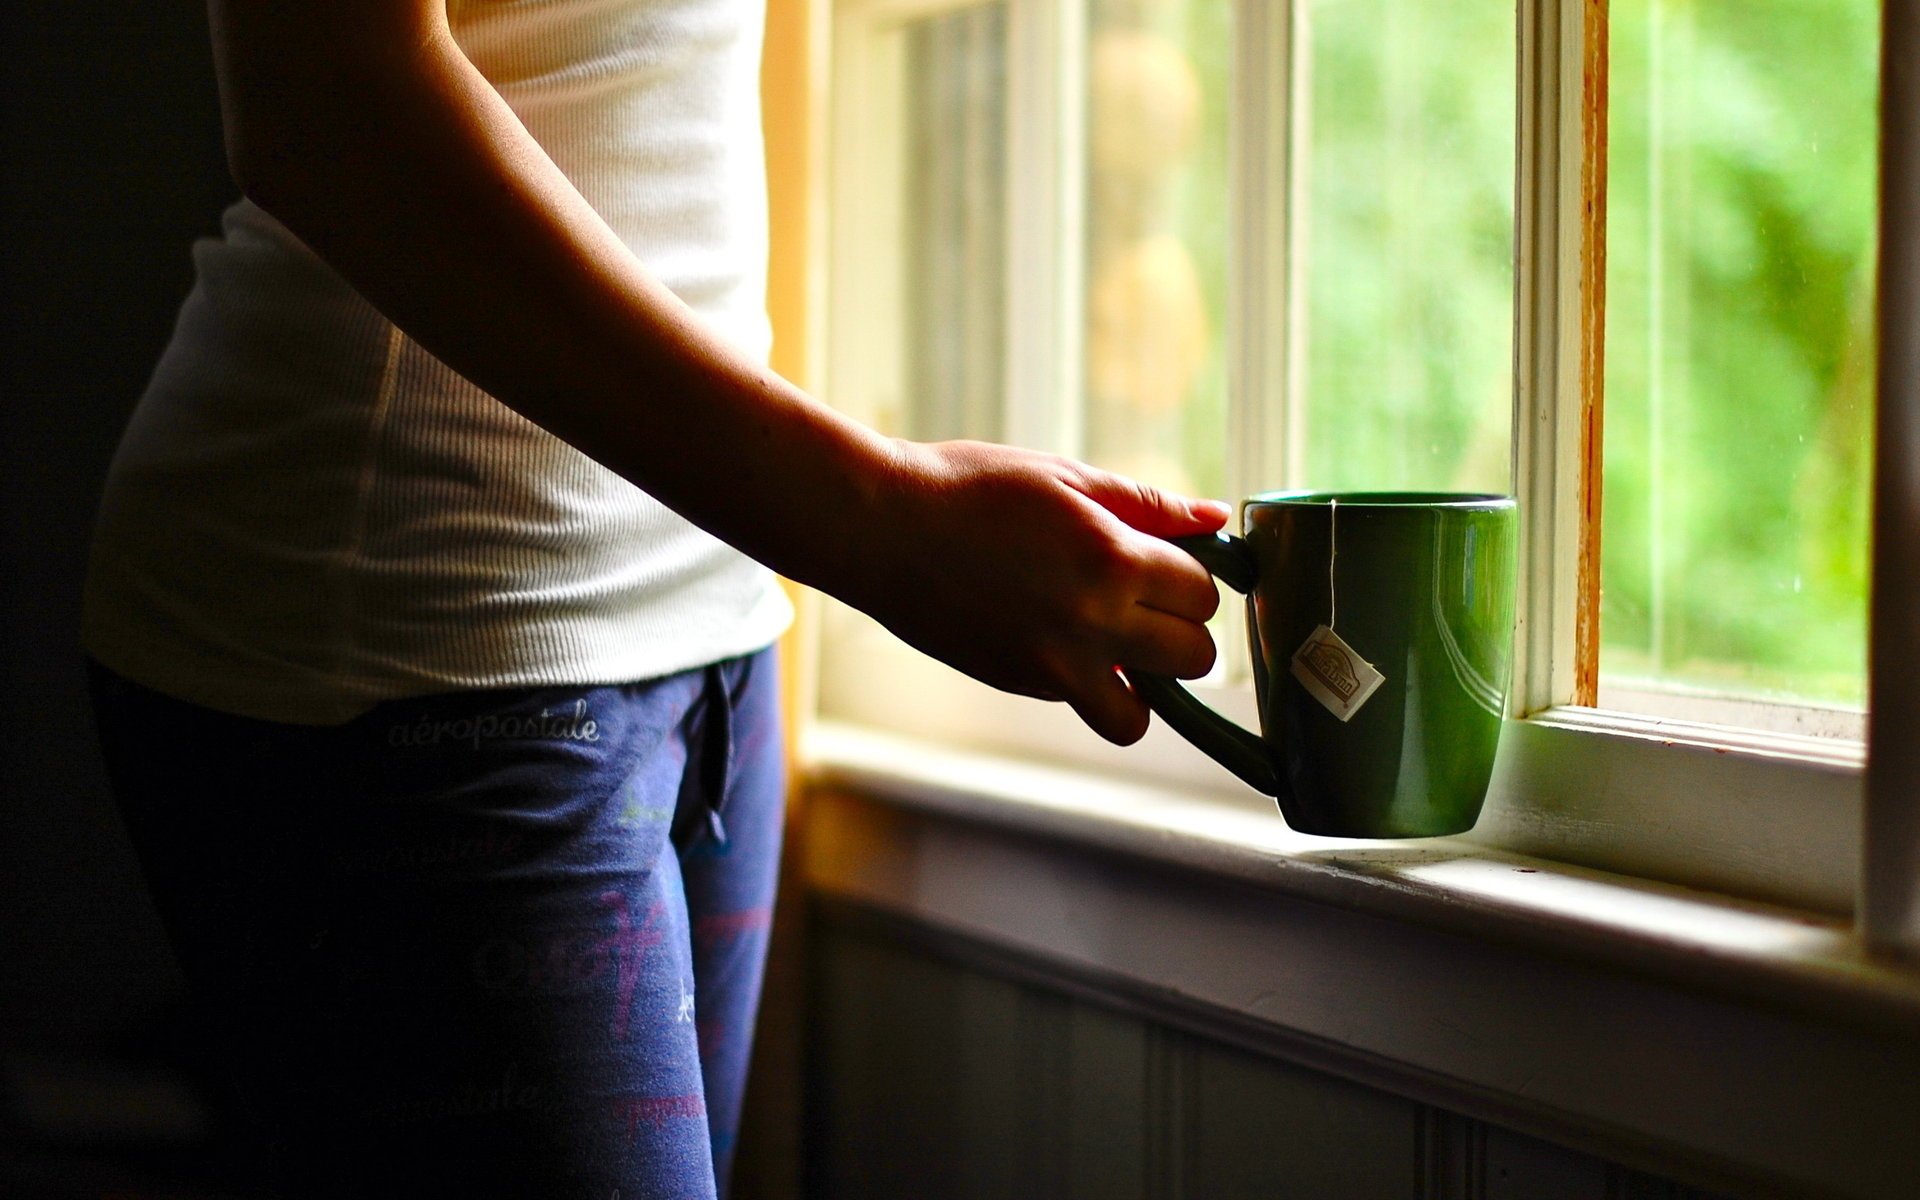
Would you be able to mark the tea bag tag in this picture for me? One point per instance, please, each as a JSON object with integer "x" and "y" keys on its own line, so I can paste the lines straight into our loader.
{"x": 1336, "y": 676}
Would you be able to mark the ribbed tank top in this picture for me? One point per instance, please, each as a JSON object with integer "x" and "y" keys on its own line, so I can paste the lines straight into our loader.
{"x": 308, "y": 514}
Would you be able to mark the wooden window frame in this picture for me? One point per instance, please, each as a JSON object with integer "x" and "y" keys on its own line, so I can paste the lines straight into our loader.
{"x": 1889, "y": 911}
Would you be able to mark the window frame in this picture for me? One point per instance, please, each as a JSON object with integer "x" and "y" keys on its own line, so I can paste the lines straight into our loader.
{"x": 1888, "y": 915}
{"x": 1768, "y": 815}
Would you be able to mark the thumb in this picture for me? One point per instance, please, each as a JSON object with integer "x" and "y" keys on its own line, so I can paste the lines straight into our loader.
{"x": 1151, "y": 510}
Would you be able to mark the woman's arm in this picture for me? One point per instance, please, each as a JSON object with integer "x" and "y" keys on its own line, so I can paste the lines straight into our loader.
{"x": 361, "y": 126}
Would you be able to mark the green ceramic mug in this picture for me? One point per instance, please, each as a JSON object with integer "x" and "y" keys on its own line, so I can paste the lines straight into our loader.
{"x": 1381, "y": 629}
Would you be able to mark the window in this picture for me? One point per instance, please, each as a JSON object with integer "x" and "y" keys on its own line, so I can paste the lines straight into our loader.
{"x": 1404, "y": 328}
{"x": 1155, "y": 251}
{"x": 1739, "y": 360}
{"x": 1230, "y": 246}
{"x": 952, "y": 219}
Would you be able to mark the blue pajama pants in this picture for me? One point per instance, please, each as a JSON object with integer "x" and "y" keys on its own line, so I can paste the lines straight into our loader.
{"x": 492, "y": 943}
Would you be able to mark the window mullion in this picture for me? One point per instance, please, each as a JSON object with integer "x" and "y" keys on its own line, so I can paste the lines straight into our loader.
{"x": 1559, "y": 210}
{"x": 1046, "y": 123}
{"x": 1889, "y": 909}
{"x": 1260, "y": 312}
{"x": 865, "y": 330}
{"x": 1260, "y": 208}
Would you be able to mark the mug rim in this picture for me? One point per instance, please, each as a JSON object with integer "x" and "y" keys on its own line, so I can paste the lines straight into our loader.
{"x": 1305, "y": 497}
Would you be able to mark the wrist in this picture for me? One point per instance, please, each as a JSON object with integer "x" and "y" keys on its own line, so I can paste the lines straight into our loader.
{"x": 846, "y": 517}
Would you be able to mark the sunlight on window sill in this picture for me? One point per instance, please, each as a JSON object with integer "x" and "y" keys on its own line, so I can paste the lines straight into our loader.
{"x": 1768, "y": 952}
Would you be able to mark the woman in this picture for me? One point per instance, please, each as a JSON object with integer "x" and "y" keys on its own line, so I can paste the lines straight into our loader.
{"x": 430, "y": 598}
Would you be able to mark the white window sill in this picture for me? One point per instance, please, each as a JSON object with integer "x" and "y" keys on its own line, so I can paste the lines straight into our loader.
{"x": 1766, "y": 817}
{"x": 1642, "y": 1020}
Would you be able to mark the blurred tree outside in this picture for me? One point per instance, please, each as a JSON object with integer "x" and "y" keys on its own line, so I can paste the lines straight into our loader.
{"x": 1739, "y": 353}
{"x": 1408, "y": 239}
{"x": 1739, "y": 366}
{"x": 1740, "y": 356}
{"x": 1156, "y": 240}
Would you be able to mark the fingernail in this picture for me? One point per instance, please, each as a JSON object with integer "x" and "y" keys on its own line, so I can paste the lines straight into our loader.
{"x": 1209, "y": 508}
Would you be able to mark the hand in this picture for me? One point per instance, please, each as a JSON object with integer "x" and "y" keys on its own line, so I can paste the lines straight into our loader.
{"x": 1042, "y": 576}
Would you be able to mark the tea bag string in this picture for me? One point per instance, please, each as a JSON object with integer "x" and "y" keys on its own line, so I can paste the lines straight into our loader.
{"x": 1333, "y": 552}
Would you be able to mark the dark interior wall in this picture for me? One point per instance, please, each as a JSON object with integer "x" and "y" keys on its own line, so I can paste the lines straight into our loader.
{"x": 112, "y": 165}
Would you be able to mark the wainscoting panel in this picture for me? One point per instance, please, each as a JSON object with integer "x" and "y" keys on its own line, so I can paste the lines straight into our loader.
{"x": 933, "y": 1076}
{"x": 1255, "y": 1127}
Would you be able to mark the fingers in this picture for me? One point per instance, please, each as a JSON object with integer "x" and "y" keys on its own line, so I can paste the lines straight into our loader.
{"x": 1153, "y": 642}
{"x": 1164, "y": 645}
{"x": 1149, "y": 509}
{"x": 1168, "y": 578}
{"x": 1111, "y": 708}
{"x": 1174, "y": 582}
{"x": 1161, "y": 630}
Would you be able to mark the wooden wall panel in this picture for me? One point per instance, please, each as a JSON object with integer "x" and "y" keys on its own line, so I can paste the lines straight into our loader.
{"x": 929, "y": 1077}
{"x": 1264, "y": 1128}
{"x": 1111, "y": 1091}
{"x": 1515, "y": 1167}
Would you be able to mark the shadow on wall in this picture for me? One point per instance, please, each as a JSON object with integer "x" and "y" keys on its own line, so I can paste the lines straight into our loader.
{"x": 112, "y": 166}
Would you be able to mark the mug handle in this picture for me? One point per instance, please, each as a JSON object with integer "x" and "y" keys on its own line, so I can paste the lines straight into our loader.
{"x": 1239, "y": 751}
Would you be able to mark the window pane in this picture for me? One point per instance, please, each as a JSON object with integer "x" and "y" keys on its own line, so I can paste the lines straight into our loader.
{"x": 1406, "y": 346}
{"x": 1739, "y": 351}
{"x": 954, "y": 224}
{"x": 1156, "y": 240}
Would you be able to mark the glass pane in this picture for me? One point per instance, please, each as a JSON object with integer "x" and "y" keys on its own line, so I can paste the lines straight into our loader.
{"x": 1156, "y": 240}
{"x": 1406, "y": 344}
{"x": 954, "y": 226}
{"x": 1739, "y": 348}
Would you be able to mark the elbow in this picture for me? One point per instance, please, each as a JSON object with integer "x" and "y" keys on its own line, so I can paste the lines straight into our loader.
{"x": 262, "y": 162}
{"x": 300, "y": 181}
{"x": 243, "y": 174}
{"x": 270, "y": 197}
{"x": 242, "y": 161}
{"x": 295, "y": 102}
{"x": 255, "y": 131}
{"x": 305, "y": 127}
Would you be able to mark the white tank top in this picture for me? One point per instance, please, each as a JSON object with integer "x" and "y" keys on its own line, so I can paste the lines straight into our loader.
{"x": 309, "y": 514}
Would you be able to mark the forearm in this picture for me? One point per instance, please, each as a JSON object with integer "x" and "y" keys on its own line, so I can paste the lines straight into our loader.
{"x": 407, "y": 173}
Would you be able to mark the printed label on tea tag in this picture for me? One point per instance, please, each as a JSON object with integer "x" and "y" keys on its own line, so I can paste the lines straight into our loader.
{"x": 1337, "y": 677}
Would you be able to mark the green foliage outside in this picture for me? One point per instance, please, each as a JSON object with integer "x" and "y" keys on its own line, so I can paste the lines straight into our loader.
{"x": 1739, "y": 360}
{"x": 1739, "y": 357}
{"x": 1739, "y": 344}
{"x": 1208, "y": 36}
{"x": 1409, "y": 245}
